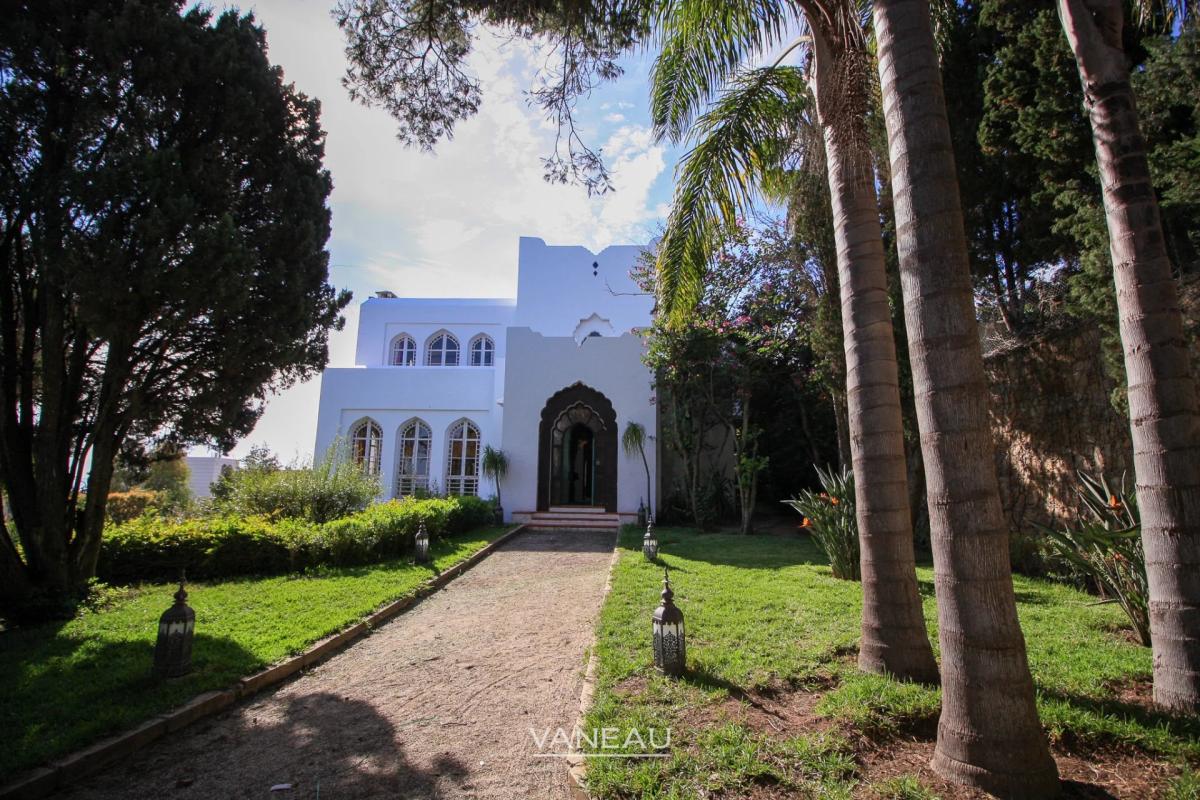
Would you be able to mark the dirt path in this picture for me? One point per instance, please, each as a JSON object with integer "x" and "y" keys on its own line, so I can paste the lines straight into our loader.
{"x": 436, "y": 703}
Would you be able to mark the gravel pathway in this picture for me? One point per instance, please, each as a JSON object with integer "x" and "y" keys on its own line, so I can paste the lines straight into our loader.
{"x": 438, "y": 703}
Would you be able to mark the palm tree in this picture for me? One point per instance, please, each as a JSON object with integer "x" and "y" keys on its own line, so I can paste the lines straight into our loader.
{"x": 758, "y": 127}
{"x": 1163, "y": 408}
{"x": 988, "y": 734}
{"x": 633, "y": 441}
{"x": 495, "y": 466}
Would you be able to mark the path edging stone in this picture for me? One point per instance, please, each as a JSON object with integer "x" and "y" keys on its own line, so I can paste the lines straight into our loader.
{"x": 576, "y": 761}
{"x": 42, "y": 781}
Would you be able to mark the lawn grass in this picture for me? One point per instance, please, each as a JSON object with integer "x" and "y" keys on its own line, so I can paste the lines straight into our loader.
{"x": 68, "y": 684}
{"x": 765, "y": 615}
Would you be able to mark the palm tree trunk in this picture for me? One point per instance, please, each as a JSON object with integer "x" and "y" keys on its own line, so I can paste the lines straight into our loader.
{"x": 989, "y": 736}
{"x": 1163, "y": 410}
{"x": 894, "y": 638}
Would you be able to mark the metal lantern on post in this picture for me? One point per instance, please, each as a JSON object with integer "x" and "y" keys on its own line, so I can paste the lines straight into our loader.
{"x": 176, "y": 627}
{"x": 422, "y": 544}
{"x": 650, "y": 543}
{"x": 670, "y": 649}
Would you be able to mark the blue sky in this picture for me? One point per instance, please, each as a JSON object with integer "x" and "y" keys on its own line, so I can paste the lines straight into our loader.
{"x": 446, "y": 224}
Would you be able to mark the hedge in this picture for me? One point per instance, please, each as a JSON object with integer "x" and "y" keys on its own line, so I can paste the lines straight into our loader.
{"x": 150, "y": 548}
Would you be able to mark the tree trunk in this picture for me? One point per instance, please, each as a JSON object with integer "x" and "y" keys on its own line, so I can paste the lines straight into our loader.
{"x": 1163, "y": 411}
{"x": 894, "y": 638}
{"x": 988, "y": 734}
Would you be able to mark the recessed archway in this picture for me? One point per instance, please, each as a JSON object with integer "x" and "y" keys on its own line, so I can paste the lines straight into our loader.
{"x": 577, "y": 450}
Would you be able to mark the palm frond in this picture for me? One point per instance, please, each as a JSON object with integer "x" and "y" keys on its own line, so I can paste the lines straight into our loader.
{"x": 702, "y": 44}
{"x": 754, "y": 129}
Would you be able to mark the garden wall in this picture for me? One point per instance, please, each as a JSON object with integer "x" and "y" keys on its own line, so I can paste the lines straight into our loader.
{"x": 1051, "y": 416}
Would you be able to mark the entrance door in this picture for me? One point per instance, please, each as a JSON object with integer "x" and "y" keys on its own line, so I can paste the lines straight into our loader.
{"x": 577, "y": 457}
{"x": 577, "y": 450}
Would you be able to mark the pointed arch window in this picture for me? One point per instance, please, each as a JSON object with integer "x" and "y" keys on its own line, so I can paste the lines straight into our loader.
{"x": 462, "y": 459}
{"x": 412, "y": 470}
{"x": 366, "y": 445}
{"x": 442, "y": 351}
{"x": 483, "y": 351}
{"x": 403, "y": 351}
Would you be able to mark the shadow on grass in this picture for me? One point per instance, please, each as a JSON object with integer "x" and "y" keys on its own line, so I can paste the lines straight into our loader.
{"x": 322, "y": 744}
{"x": 62, "y": 693}
{"x": 728, "y": 549}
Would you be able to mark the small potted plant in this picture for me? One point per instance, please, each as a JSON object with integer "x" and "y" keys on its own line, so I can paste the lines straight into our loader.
{"x": 495, "y": 466}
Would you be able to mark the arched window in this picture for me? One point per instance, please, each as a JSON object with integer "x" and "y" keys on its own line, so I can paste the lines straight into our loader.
{"x": 462, "y": 459}
{"x": 403, "y": 351}
{"x": 482, "y": 350}
{"x": 442, "y": 351}
{"x": 366, "y": 445}
{"x": 412, "y": 469}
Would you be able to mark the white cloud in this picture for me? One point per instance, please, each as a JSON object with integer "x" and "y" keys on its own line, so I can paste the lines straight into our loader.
{"x": 420, "y": 223}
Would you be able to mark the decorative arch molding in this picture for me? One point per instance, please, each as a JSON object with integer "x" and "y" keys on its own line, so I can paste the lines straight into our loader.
{"x": 595, "y": 325}
{"x": 577, "y": 405}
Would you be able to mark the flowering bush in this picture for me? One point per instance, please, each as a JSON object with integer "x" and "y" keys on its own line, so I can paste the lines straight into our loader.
{"x": 829, "y": 518}
{"x": 1107, "y": 549}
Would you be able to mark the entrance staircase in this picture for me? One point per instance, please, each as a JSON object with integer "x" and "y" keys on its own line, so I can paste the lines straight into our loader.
{"x": 574, "y": 518}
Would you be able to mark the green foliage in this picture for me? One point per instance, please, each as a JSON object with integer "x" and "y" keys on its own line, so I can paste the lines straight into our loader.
{"x": 495, "y": 466}
{"x": 126, "y": 506}
{"x": 163, "y": 222}
{"x": 331, "y": 488}
{"x": 1107, "y": 549}
{"x": 150, "y": 548}
{"x": 169, "y": 478}
{"x": 829, "y": 517}
{"x": 68, "y": 684}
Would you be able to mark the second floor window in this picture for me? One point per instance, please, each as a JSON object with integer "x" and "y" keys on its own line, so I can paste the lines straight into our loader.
{"x": 482, "y": 351}
{"x": 404, "y": 351}
{"x": 442, "y": 351}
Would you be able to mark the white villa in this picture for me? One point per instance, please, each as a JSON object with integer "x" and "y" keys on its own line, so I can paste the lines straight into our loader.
{"x": 551, "y": 377}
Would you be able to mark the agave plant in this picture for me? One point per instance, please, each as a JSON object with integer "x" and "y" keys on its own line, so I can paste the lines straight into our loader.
{"x": 1107, "y": 548}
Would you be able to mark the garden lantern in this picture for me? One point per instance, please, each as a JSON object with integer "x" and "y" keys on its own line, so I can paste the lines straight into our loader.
{"x": 173, "y": 650}
{"x": 422, "y": 544}
{"x": 670, "y": 651}
{"x": 650, "y": 543}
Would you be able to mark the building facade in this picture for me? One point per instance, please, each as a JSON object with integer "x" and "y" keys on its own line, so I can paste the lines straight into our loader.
{"x": 552, "y": 377}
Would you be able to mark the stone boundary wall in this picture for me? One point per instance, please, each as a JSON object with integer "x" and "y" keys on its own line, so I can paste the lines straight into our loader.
{"x": 1052, "y": 415}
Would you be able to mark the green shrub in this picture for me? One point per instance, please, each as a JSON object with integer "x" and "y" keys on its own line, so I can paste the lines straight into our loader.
{"x": 331, "y": 489}
{"x": 829, "y": 517}
{"x": 151, "y": 548}
{"x": 1107, "y": 549}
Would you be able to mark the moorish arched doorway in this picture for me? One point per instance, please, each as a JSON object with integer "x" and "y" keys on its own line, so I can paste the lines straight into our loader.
{"x": 577, "y": 450}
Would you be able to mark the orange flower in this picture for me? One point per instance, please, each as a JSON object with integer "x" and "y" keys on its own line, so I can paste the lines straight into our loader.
{"x": 833, "y": 500}
{"x": 807, "y": 523}
{"x": 1113, "y": 502}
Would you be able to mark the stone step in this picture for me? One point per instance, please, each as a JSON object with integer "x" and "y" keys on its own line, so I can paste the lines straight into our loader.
{"x": 574, "y": 517}
{"x": 545, "y": 525}
{"x": 576, "y": 510}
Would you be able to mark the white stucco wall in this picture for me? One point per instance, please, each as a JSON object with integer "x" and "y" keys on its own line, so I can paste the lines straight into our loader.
{"x": 556, "y": 289}
{"x": 538, "y": 367}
